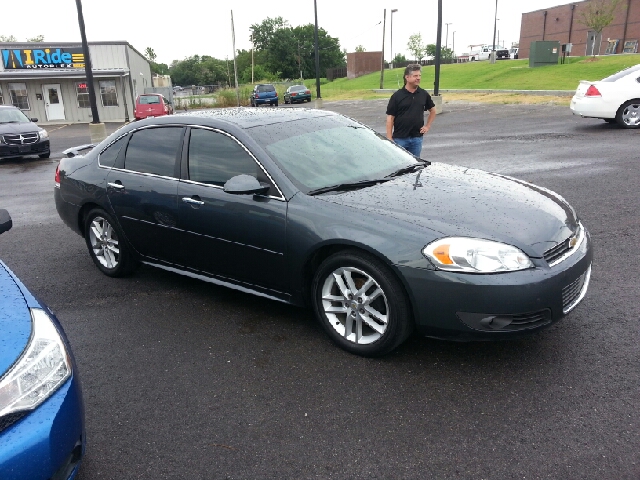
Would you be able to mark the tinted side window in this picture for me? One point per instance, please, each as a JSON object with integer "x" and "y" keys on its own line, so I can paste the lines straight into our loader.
{"x": 214, "y": 158}
{"x": 153, "y": 150}
{"x": 110, "y": 154}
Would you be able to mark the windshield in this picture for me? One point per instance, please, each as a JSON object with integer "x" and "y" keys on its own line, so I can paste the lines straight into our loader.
{"x": 322, "y": 152}
{"x": 623, "y": 73}
{"x": 13, "y": 115}
{"x": 149, "y": 99}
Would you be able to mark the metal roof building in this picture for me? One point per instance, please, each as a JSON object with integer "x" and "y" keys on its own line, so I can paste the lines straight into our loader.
{"x": 47, "y": 80}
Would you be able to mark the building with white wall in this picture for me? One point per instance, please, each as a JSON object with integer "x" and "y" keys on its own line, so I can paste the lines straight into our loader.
{"x": 48, "y": 81}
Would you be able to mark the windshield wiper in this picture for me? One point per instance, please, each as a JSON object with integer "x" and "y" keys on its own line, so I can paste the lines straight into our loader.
{"x": 348, "y": 186}
{"x": 411, "y": 168}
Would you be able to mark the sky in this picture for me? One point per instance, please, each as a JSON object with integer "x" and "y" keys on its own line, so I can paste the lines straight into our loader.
{"x": 176, "y": 30}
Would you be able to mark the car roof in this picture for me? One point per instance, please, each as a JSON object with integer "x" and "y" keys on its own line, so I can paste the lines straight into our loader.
{"x": 9, "y": 106}
{"x": 244, "y": 117}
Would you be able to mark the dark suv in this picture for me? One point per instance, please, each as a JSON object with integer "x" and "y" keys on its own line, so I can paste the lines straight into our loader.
{"x": 264, "y": 93}
{"x": 20, "y": 136}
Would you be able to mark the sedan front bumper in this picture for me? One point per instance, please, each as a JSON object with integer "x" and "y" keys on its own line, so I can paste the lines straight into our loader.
{"x": 489, "y": 306}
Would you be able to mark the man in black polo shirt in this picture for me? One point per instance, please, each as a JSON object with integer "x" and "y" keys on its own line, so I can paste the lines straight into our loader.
{"x": 405, "y": 112}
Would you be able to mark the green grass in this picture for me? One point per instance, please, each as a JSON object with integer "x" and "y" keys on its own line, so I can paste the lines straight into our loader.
{"x": 503, "y": 75}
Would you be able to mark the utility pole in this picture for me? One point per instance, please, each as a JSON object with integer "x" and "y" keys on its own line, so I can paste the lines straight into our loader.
{"x": 436, "y": 88}
{"x": 235, "y": 64}
{"x": 252, "y": 47}
{"x": 495, "y": 25}
{"x": 446, "y": 42}
{"x": 392, "y": 12}
{"x": 384, "y": 24}
{"x": 299, "y": 61}
{"x": 97, "y": 130}
{"x": 318, "y": 97}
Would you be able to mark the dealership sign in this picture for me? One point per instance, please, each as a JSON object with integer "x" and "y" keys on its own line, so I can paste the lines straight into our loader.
{"x": 22, "y": 59}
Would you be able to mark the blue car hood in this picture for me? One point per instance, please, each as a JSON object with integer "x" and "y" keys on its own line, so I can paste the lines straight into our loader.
{"x": 15, "y": 318}
{"x": 456, "y": 201}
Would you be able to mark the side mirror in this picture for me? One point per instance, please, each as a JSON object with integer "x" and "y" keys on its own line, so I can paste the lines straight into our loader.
{"x": 34, "y": 120}
{"x": 245, "y": 185}
{"x": 5, "y": 221}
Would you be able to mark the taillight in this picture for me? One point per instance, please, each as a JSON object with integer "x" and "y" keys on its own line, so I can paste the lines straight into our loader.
{"x": 592, "y": 91}
{"x": 257, "y": 95}
{"x": 276, "y": 94}
{"x": 308, "y": 92}
{"x": 57, "y": 177}
{"x": 294, "y": 94}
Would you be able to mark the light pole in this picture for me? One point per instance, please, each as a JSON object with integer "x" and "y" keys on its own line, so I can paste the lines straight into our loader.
{"x": 493, "y": 45}
{"x": 315, "y": 38}
{"x": 392, "y": 11}
{"x": 446, "y": 41}
{"x": 453, "y": 46}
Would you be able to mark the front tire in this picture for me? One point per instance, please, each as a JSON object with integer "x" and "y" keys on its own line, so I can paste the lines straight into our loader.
{"x": 361, "y": 304}
{"x": 107, "y": 246}
{"x": 628, "y": 115}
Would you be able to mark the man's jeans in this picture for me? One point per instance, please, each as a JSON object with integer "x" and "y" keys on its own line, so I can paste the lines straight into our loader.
{"x": 411, "y": 144}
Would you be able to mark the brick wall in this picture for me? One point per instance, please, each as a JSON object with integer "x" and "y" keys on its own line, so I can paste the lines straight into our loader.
{"x": 557, "y": 23}
{"x": 361, "y": 63}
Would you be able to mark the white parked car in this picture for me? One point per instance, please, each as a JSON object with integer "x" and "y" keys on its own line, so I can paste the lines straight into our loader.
{"x": 614, "y": 99}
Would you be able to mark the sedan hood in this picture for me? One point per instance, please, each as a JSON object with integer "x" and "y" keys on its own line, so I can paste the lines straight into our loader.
{"x": 17, "y": 128}
{"x": 15, "y": 319}
{"x": 457, "y": 201}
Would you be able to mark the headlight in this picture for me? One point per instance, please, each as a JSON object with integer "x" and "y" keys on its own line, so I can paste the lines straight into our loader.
{"x": 42, "y": 368}
{"x": 475, "y": 255}
{"x": 43, "y": 134}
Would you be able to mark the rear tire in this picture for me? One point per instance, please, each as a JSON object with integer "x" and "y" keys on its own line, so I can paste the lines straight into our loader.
{"x": 361, "y": 304}
{"x": 107, "y": 247}
{"x": 628, "y": 115}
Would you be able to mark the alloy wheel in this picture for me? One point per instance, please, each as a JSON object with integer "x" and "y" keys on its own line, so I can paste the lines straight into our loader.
{"x": 104, "y": 242}
{"x": 355, "y": 305}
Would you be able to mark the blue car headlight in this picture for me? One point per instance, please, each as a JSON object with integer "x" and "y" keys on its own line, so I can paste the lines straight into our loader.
{"x": 43, "y": 367}
{"x": 475, "y": 255}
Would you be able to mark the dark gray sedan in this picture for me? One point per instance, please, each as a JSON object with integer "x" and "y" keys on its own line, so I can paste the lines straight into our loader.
{"x": 312, "y": 208}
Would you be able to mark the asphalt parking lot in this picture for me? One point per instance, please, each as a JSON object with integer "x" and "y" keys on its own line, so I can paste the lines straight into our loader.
{"x": 184, "y": 379}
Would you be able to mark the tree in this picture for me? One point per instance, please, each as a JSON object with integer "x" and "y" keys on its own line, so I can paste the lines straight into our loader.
{"x": 360, "y": 48}
{"x": 10, "y": 38}
{"x": 416, "y": 47}
{"x": 37, "y": 39}
{"x": 262, "y": 33}
{"x": 445, "y": 53}
{"x": 399, "y": 59}
{"x": 150, "y": 54}
{"x": 598, "y": 14}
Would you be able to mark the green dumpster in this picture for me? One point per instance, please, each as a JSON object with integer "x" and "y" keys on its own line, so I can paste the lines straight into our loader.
{"x": 544, "y": 53}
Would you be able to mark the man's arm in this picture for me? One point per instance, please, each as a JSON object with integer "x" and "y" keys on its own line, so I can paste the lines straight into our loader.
{"x": 390, "y": 119}
{"x": 430, "y": 119}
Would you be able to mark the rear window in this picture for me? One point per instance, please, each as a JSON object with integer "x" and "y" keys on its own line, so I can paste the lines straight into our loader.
{"x": 298, "y": 88}
{"x": 149, "y": 99}
{"x": 266, "y": 88}
{"x": 623, "y": 73}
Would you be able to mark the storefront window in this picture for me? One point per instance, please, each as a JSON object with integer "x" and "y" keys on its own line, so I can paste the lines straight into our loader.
{"x": 108, "y": 93}
{"x": 82, "y": 90}
{"x": 18, "y": 94}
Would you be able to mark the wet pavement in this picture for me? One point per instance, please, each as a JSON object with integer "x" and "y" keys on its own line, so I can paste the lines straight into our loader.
{"x": 184, "y": 379}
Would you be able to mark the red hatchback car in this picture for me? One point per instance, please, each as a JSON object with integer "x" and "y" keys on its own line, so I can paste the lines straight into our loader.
{"x": 152, "y": 105}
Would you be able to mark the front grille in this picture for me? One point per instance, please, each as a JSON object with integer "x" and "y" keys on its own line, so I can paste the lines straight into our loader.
{"x": 20, "y": 139}
{"x": 573, "y": 293}
{"x": 564, "y": 249}
{"x": 556, "y": 252}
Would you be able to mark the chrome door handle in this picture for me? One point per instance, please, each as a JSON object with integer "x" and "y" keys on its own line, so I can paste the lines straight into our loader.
{"x": 192, "y": 201}
{"x": 119, "y": 186}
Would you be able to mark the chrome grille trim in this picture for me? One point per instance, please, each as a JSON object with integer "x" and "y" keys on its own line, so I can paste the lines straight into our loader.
{"x": 564, "y": 250}
{"x": 573, "y": 293}
{"x": 14, "y": 139}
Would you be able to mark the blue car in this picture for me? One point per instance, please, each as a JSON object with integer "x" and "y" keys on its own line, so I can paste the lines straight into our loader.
{"x": 42, "y": 434}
